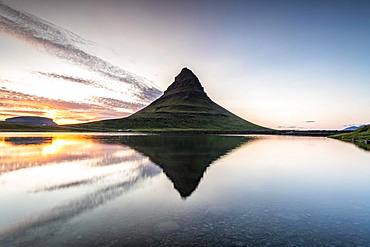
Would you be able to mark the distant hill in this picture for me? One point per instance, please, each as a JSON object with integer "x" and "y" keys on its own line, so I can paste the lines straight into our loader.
{"x": 31, "y": 121}
{"x": 351, "y": 128}
{"x": 360, "y": 137}
{"x": 183, "y": 106}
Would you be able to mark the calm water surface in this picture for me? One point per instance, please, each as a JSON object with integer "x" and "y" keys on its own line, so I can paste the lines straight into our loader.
{"x": 163, "y": 190}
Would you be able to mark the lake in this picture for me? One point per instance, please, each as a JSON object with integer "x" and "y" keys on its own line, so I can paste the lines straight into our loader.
{"x": 171, "y": 190}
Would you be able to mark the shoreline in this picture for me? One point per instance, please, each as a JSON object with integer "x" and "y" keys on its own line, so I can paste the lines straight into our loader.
{"x": 317, "y": 133}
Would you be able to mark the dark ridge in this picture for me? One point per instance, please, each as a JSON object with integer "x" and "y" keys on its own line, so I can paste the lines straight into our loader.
{"x": 186, "y": 81}
{"x": 31, "y": 121}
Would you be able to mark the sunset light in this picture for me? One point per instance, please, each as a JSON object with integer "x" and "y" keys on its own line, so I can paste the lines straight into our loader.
{"x": 165, "y": 123}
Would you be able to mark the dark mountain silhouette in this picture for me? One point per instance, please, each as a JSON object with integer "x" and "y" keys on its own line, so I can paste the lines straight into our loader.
{"x": 183, "y": 159}
{"x": 31, "y": 121}
{"x": 183, "y": 106}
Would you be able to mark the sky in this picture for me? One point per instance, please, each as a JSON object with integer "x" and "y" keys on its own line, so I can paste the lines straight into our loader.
{"x": 281, "y": 64}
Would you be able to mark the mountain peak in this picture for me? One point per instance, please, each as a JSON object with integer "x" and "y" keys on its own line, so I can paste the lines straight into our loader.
{"x": 186, "y": 81}
{"x": 183, "y": 106}
{"x": 186, "y": 73}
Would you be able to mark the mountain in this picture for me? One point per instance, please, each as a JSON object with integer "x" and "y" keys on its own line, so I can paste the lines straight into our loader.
{"x": 31, "y": 121}
{"x": 352, "y": 128}
{"x": 183, "y": 106}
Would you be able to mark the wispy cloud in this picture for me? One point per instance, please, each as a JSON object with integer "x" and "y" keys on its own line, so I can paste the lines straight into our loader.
{"x": 108, "y": 102}
{"x": 74, "y": 79}
{"x": 310, "y": 121}
{"x": 292, "y": 127}
{"x": 349, "y": 125}
{"x": 69, "y": 46}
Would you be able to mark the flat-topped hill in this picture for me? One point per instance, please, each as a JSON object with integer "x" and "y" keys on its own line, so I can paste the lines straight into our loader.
{"x": 31, "y": 121}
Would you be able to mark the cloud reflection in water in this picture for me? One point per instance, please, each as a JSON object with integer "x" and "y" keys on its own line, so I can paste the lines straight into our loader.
{"x": 98, "y": 173}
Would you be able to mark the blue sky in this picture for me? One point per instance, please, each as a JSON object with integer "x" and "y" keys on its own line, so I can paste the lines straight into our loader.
{"x": 282, "y": 64}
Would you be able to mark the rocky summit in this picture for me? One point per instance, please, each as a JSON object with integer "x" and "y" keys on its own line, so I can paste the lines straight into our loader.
{"x": 183, "y": 106}
{"x": 186, "y": 83}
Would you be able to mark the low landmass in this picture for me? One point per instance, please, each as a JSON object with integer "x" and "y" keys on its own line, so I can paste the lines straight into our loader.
{"x": 360, "y": 137}
{"x": 11, "y": 127}
{"x": 31, "y": 121}
{"x": 6, "y": 127}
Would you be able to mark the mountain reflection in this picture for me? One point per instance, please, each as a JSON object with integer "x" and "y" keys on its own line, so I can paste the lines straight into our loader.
{"x": 184, "y": 159}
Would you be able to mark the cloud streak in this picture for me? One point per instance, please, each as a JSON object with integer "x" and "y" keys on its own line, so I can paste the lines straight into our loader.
{"x": 74, "y": 79}
{"x": 69, "y": 46}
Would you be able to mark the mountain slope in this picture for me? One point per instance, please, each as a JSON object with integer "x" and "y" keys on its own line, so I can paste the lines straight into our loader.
{"x": 183, "y": 106}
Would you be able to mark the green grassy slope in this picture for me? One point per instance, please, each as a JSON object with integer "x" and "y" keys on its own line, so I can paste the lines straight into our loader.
{"x": 177, "y": 118}
{"x": 4, "y": 127}
{"x": 178, "y": 122}
{"x": 359, "y": 137}
{"x": 9, "y": 127}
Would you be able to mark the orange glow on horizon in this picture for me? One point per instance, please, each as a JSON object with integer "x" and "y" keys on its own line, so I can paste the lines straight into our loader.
{"x": 41, "y": 150}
